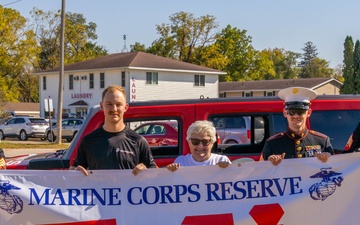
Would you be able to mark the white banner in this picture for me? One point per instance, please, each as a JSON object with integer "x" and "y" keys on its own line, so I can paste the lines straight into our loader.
{"x": 298, "y": 191}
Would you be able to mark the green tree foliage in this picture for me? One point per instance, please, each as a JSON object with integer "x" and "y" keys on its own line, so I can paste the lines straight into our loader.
{"x": 264, "y": 68}
{"x": 348, "y": 67}
{"x": 284, "y": 64}
{"x": 79, "y": 37}
{"x": 137, "y": 47}
{"x": 210, "y": 56}
{"x": 184, "y": 34}
{"x": 194, "y": 40}
{"x": 18, "y": 51}
{"x": 240, "y": 55}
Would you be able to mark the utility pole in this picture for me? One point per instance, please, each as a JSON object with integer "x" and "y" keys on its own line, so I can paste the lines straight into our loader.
{"x": 61, "y": 75}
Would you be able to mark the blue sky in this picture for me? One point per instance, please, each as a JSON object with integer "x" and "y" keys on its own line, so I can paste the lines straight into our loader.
{"x": 284, "y": 24}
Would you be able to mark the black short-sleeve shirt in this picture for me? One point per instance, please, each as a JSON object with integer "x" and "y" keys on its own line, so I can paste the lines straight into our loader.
{"x": 102, "y": 150}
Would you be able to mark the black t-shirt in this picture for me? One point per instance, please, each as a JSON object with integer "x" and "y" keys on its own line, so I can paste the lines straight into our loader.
{"x": 102, "y": 150}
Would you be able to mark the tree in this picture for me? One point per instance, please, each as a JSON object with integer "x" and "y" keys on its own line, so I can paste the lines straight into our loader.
{"x": 18, "y": 51}
{"x": 284, "y": 63}
{"x": 185, "y": 33}
{"x": 79, "y": 37}
{"x": 240, "y": 55}
{"x": 338, "y": 73}
{"x": 210, "y": 56}
{"x": 348, "y": 68}
{"x": 137, "y": 47}
{"x": 264, "y": 68}
{"x": 312, "y": 66}
{"x": 306, "y": 64}
{"x": 357, "y": 67}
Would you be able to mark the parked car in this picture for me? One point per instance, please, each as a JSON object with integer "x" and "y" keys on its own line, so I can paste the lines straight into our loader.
{"x": 159, "y": 133}
{"x": 23, "y": 127}
{"x": 237, "y": 129}
{"x": 70, "y": 127}
{"x": 70, "y": 115}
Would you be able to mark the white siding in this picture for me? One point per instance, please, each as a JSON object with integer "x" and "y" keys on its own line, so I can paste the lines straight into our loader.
{"x": 171, "y": 85}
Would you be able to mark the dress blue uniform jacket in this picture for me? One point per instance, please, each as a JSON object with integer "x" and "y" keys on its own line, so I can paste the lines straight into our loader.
{"x": 295, "y": 145}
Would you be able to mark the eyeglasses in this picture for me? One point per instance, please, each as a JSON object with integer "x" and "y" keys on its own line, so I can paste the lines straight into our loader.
{"x": 292, "y": 112}
{"x": 204, "y": 142}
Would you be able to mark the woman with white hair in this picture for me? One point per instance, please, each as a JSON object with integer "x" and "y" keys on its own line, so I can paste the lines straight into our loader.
{"x": 201, "y": 136}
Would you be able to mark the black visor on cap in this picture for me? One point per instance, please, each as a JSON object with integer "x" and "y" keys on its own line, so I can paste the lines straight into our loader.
{"x": 297, "y": 105}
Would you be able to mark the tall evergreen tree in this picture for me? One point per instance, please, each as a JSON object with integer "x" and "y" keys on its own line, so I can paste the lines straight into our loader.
{"x": 348, "y": 67}
{"x": 357, "y": 67}
{"x": 307, "y": 62}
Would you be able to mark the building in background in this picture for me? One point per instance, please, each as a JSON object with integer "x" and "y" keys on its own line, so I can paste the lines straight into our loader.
{"x": 144, "y": 77}
{"x": 322, "y": 86}
{"x": 21, "y": 109}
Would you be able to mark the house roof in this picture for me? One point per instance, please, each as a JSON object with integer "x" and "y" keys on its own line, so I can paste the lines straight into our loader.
{"x": 78, "y": 103}
{"x": 274, "y": 85}
{"x": 21, "y": 106}
{"x": 133, "y": 60}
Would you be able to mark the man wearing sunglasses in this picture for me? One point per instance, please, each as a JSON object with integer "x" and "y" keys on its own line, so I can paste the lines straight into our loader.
{"x": 201, "y": 136}
{"x": 297, "y": 141}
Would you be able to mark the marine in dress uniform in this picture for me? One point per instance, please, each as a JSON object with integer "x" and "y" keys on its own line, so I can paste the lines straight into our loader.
{"x": 300, "y": 143}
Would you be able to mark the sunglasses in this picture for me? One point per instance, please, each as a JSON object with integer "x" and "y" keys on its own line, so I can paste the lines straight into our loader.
{"x": 204, "y": 142}
{"x": 292, "y": 112}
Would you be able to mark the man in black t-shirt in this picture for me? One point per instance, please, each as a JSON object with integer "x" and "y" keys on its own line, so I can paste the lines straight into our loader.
{"x": 113, "y": 146}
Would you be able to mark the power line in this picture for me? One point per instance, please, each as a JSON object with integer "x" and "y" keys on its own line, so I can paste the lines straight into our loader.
{"x": 12, "y": 2}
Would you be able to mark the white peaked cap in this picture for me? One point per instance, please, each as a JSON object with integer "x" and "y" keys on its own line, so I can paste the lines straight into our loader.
{"x": 297, "y": 94}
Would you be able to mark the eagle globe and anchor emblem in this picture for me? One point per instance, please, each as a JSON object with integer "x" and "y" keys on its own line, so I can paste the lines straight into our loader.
{"x": 327, "y": 186}
{"x": 8, "y": 202}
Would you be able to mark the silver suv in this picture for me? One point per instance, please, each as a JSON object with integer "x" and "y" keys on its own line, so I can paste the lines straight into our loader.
{"x": 23, "y": 127}
{"x": 70, "y": 126}
{"x": 237, "y": 129}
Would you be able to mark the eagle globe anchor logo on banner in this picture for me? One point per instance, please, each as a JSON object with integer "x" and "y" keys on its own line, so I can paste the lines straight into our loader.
{"x": 327, "y": 186}
{"x": 8, "y": 202}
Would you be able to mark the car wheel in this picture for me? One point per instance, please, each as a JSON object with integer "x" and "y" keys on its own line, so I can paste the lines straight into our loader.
{"x": 23, "y": 135}
{"x": 2, "y": 136}
{"x": 231, "y": 142}
{"x": 50, "y": 136}
{"x": 70, "y": 139}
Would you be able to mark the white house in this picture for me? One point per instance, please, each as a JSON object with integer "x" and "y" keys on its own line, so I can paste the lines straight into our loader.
{"x": 143, "y": 76}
